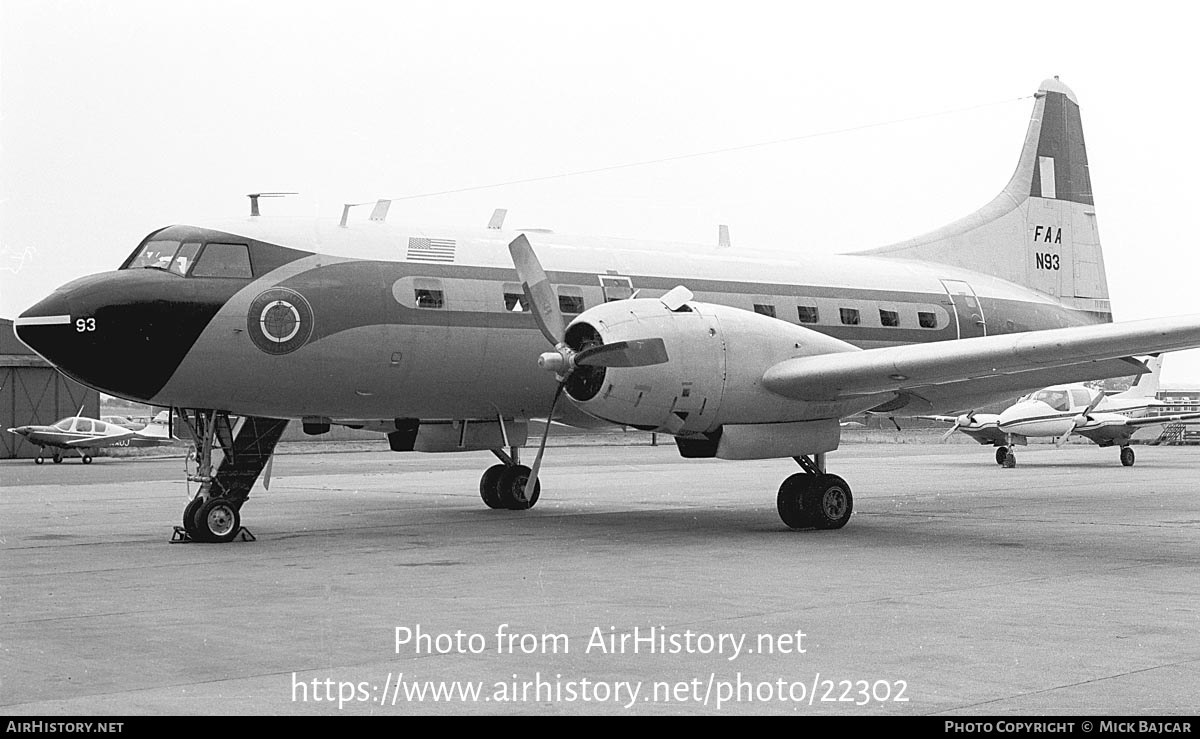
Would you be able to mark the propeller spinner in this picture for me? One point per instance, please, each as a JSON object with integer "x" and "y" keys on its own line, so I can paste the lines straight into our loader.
{"x": 565, "y": 360}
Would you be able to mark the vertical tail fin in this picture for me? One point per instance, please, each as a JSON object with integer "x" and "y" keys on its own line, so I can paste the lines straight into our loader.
{"x": 1040, "y": 231}
{"x": 1146, "y": 386}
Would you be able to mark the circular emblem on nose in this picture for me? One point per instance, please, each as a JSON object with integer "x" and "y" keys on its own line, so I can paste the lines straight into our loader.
{"x": 279, "y": 321}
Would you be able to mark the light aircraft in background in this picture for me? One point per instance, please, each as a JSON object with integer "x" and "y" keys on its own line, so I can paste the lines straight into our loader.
{"x": 1062, "y": 410}
{"x": 430, "y": 334}
{"x": 84, "y": 436}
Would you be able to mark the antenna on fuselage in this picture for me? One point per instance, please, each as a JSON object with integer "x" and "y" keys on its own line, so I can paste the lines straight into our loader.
{"x": 497, "y": 221}
{"x": 378, "y": 213}
{"x": 254, "y": 196}
{"x": 723, "y": 236}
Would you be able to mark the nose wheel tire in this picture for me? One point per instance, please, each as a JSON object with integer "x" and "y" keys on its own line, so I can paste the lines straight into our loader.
{"x": 87, "y": 459}
{"x": 1127, "y": 456}
{"x": 189, "y": 515}
{"x": 39, "y": 460}
{"x": 57, "y": 459}
{"x": 217, "y": 520}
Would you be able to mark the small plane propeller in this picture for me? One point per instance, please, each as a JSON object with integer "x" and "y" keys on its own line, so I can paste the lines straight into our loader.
{"x": 965, "y": 419}
{"x": 1080, "y": 420}
{"x": 543, "y": 301}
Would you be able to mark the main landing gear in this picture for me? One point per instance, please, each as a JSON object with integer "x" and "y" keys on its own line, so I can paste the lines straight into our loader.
{"x": 1127, "y": 456}
{"x": 1006, "y": 457}
{"x": 503, "y": 485}
{"x": 214, "y": 514}
{"x": 813, "y": 499}
{"x": 57, "y": 456}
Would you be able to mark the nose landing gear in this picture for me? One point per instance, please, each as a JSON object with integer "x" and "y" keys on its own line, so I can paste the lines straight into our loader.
{"x": 245, "y": 446}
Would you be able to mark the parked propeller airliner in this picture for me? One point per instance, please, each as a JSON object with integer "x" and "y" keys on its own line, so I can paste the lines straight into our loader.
{"x": 1061, "y": 410}
{"x": 430, "y": 335}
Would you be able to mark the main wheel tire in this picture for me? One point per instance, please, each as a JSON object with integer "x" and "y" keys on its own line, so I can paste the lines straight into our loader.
{"x": 87, "y": 459}
{"x": 189, "y": 515}
{"x": 57, "y": 459}
{"x": 1001, "y": 453}
{"x": 829, "y": 502}
{"x": 218, "y": 521}
{"x": 1127, "y": 456}
{"x": 790, "y": 501}
{"x": 512, "y": 488}
{"x": 489, "y": 486}
{"x": 39, "y": 459}
{"x": 1010, "y": 460}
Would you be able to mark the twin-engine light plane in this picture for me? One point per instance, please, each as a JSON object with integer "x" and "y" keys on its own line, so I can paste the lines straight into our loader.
{"x": 84, "y": 436}
{"x": 433, "y": 335}
{"x": 1062, "y": 410}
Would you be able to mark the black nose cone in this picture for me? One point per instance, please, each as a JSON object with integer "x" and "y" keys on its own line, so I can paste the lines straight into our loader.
{"x": 123, "y": 333}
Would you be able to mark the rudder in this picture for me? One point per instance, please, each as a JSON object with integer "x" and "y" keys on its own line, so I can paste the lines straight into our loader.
{"x": 1040, "y": 231}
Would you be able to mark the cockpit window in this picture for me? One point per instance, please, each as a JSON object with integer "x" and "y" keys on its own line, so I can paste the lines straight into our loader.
{"x": 223, "y": 260}
{"x": 65, "y": 424}
{"x": 1056, "y": 399}
{"x": 185, "y": 257}
{"x": 156, "y": 254}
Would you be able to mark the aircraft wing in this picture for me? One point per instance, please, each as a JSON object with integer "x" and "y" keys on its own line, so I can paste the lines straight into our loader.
{"x": 89, "y": 442}
{"x": 920, "y": 378}
{"x": 983, "y": 428}
{"x": 1106, "y": 432}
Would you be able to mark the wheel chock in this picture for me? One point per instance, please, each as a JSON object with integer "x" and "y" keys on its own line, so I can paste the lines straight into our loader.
{"x": 181, "y": 536}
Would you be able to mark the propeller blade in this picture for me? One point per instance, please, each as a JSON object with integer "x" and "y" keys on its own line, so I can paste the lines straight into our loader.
{"x": 637, "y": 353}
{"x": 1058, "y": 443}
{"x": 1092, "y": 406}
{"x": 531, "y": 483}
{"x": 946, "y": 436}
{"x": 543, "y": 301}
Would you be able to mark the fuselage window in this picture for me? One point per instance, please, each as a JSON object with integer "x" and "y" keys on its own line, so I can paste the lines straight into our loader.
{"x": 570, "y": 300}
{"x": 426, "y": 298}
{"x": 83, "y": 425}
{"x": 849, "y": 316}
{"x": 889, "y": 317}
{"x": 514, "y": 299}
{"x": 1056, "y": 399}
{"x": 100, "y": 427}
{"x": 808, "y": 313}
{"x": 927, "y": 319}
{"x": 155, "y": 254}
{"x": 764, "y": 309}
{"x": 223, "y": 260}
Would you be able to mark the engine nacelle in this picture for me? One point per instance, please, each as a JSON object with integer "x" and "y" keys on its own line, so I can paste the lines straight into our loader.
{"x": 713, "y": 377}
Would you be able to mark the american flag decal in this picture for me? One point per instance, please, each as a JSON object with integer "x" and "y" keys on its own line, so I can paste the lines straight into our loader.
{"x": 430, "y": 250}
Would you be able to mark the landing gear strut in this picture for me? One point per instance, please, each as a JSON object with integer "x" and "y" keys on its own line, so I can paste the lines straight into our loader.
{"x": 1009, "y": 459}
{"x": 214, "y": 514}
{"x": 503, "y": 485}
{"x": 814, "y": 499}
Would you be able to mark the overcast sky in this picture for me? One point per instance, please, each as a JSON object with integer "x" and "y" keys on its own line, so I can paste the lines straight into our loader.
{"x": 120, "y": 117}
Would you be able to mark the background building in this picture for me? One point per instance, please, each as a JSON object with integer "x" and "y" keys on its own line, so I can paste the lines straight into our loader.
{"x": 33, "y": 392}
